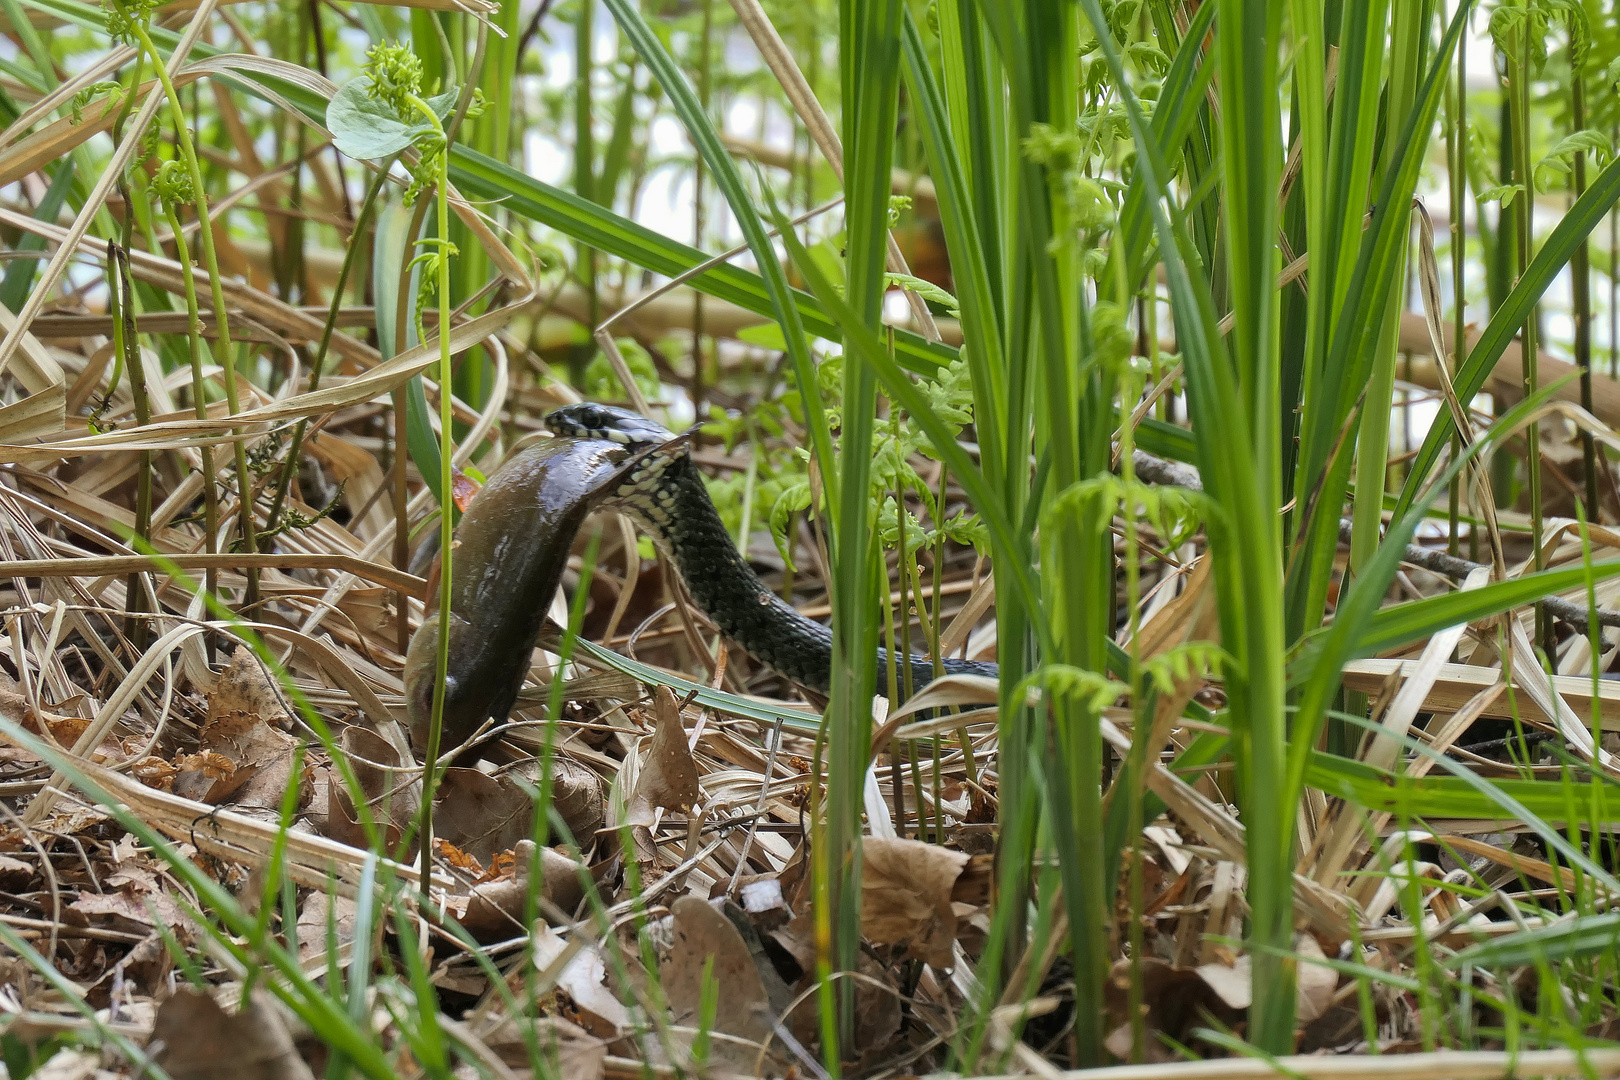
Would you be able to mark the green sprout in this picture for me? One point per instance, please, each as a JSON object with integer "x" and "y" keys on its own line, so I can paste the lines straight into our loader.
{"x": 393, "y": 76}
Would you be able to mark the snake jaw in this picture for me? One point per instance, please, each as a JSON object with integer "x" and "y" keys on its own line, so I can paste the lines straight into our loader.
{"x": 590, "y": 420}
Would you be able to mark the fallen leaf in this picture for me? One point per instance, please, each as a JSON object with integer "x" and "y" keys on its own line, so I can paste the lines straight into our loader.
{"x": 1316, "y": 984}
{"x": 321, "y": 915}
{"x": 572, "y": 1053}
{"x": 581, "y": 978}
{"x": 749, "y": 995}
{"x": 1176, "y": 1000}
{"x": 377, "y": 769}
{"x": 669, "y": 777}
{"x": 495, "y": 908}
{"x": 14, "y": 874}
{"x": 576, "y": 795}
{"x": 204, "y": 1042}
{"x": 1230, "y": 983}
{"x": 877, "y": 1007}
{"x": 146, "y": 966}
{"x": 243, "y": 688}
{"x": 482, "y": 815}
{"x": 700, "y": 934}
{"x": 241, "y": 758}
{"x": 906, "y": 890}
{"x": 134, "y": 910}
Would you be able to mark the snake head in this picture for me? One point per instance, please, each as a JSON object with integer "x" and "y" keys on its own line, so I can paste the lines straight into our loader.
{"x": 590, "y": 420}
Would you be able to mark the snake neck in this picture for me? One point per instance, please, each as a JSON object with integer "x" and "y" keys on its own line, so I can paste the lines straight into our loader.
{"x": 682, "y": 521}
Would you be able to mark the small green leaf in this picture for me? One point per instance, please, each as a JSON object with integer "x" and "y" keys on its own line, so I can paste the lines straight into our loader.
{"x": 442, "y": 104}
{"x": 793, "y": 499}
{"x": 765, "y": 335}
{"x": 1504, "y": 192}
{"x": 927, "y": 290}
{"x": 368, "y": 128}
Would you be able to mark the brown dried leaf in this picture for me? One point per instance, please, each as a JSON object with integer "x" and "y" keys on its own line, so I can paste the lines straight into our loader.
{"x": 573, "y": 1053}
{"x": 576, "y": 794}
{"x": 204, "y": 1042}
{"x": 482, "y": 815}
{"x": 319, "y": 910}
{"x": 581, "y": 978}
{"x": 15, "y": 874}
{"x": 243, "y": 687}
{"x": 699, "y": 934}
{"x": 242, "y": 757}
{"x": 1176, "y": 1000}
{"x": 669, "y": 778}
{"x": 495, "y": 908}
{"x": 375, "y": 763}
{"x": 1317, "y": 983}
{"x": 1314, "y": 989}
{"x": 906, "y": 890}
{"x": 134, "y": 909}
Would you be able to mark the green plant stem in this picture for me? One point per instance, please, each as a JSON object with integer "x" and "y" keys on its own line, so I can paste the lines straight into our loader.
{"x": 1457, "y": 173}
{"x": 1372, "y": 444}
{"x": 446, "y": 485}
{"x": 1581, "y": 297}
{"x": 121, "y": 302}
{"x": 1143, "y": 718}
{"x": 198, "y": 394}
{"x": 705, "y": 40}
{"x": 290, "y": 466}
{"x": 1519, "y": 116}
{"x": 225, "y": 352}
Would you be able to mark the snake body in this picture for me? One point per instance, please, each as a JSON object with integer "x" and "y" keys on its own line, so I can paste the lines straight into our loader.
{"x": 664, "y": 494}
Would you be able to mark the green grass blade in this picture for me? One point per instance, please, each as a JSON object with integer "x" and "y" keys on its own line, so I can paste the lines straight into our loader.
{"x": 1555, "y": 252}
{"x": 1393, "y": 627}
{"x": 1322, "y": 674}
{"x": 724, "y": 170}
{"x": 1349, "y": 360}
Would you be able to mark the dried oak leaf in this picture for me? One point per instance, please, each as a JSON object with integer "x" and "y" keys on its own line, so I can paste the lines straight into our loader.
{"x": 906, "y": 890}
{"x": 244, "y": 687}
{"x": 203, "y": 1041}
{"x": 242, "y": 759}
{"x": 669, "y": 776}
{"x": 699, "y": 934}
{"x": 155, "y": 772}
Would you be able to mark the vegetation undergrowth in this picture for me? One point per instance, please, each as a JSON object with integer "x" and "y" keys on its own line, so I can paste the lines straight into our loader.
{"x": 1105, "y": 341}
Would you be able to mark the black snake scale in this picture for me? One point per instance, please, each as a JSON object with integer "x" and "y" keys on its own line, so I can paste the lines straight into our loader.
{"x": 664, "y": 494}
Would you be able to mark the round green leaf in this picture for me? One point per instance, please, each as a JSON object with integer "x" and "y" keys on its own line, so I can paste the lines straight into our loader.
{"x": 367, "y": 127}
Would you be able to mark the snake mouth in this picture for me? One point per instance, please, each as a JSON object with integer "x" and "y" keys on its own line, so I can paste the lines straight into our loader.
{"x": 609, "y": 422}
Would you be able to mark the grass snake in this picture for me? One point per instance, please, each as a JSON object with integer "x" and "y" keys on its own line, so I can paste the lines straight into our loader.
{"x": 664, "y": 494}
